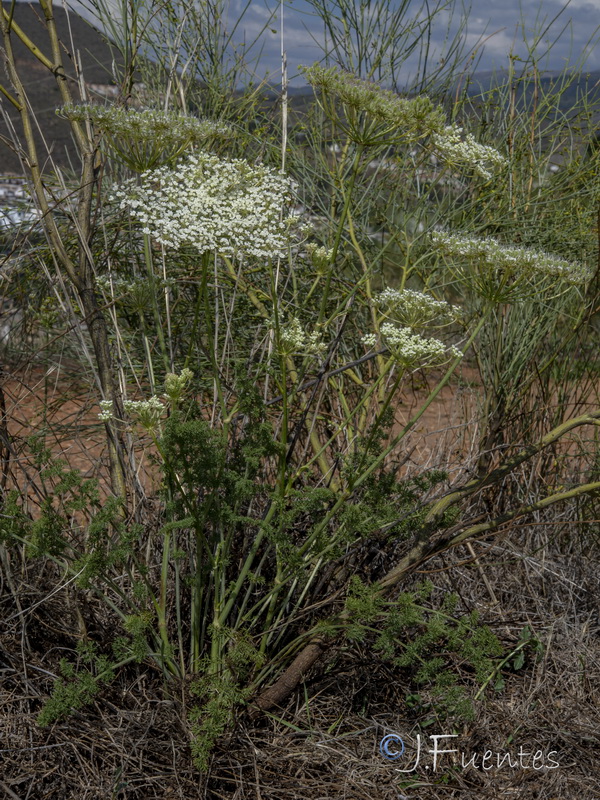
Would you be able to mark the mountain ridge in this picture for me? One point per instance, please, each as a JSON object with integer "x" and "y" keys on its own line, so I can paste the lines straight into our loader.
{"x": 53, "y": 135}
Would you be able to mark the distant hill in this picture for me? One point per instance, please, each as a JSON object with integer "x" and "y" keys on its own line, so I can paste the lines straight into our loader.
{"x": 40, "y": 85}
{"x": 572, "y": 88}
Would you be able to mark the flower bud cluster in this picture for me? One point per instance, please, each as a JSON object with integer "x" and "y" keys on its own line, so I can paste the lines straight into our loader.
{"x": 211, "y": 204}
{"x": 414, "y": 309}
{"x": 491, "y": 255}
{"x": 294, "y": 339}
{"x": 411, "y": 349}
{"x": 320, "y": 256}
{"x": 145, "y": 139}
{"x": 167, "y": 126}
{"x": 119, "y": 285}
{"x": 409, "y": 118}
{"x": 463, "y": 150}
{"x": 175, "y": 385}
{"x": 147, "y": 412}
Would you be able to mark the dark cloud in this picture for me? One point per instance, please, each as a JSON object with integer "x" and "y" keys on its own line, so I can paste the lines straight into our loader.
{"x": 557, "y": 34}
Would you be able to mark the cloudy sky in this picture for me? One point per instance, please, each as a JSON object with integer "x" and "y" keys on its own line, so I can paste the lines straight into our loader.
{"x": 494, "y": 28}
{"x": 560, "y": 33}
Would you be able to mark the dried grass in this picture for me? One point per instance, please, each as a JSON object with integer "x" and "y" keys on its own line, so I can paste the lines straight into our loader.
{"x": 134, "y": 742}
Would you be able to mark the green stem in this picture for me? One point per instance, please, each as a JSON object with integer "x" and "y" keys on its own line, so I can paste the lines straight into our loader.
{"x": 498, "y": 667}
{"x": 148, "y": 353}
{"x": 340, "y": 231}
{"x": 162, "y": 602}
{"x": 235, "y": 590}
{"x": 344, "y": 496}
{"x": 155, "y": 311}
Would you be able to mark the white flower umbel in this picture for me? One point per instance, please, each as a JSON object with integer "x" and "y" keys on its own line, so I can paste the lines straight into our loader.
{"x": 411, "y": 349}
{"x": 106, "y": 410}
{"x": 414, "y": 309}
{"x": 211, "y": 204}
{"x": 462, "y": 150}
{"x": 505, "y": 273}
{"x": 147, "y": 412}
{"x": 145, "y": 139}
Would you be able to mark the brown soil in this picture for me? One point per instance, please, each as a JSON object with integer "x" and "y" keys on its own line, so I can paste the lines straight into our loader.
{"x": 59, "y": 405}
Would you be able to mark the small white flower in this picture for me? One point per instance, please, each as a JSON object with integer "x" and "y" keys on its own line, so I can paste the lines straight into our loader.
{"x": 106, "y": 410}
{"x": 369, "y": 339}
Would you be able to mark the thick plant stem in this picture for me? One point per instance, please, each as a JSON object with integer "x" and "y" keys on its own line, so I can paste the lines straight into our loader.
{"x": 80, "y": 274}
